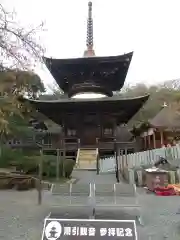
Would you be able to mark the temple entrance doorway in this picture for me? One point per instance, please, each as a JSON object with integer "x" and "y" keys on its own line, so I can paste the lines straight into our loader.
{"x": 88, "y": 135}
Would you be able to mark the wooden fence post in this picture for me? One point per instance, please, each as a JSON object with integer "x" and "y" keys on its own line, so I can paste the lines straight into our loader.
{"x": 57, "y": 166}
{"x": 40, "y": 177}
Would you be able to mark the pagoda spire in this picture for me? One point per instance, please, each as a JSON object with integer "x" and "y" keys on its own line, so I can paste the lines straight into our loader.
{"x": 89, "y": 52}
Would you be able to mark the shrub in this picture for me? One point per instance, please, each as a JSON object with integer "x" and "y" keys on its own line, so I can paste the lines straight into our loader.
{"x": 68, "y": 167}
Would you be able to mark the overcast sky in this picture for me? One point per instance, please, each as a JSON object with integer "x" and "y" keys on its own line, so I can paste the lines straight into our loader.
{"x": 150, "y": 28}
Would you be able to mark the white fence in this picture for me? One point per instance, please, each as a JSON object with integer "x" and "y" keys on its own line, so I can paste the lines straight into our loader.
{"x": 149, "y": 157}
{"x": 107, "y": 164}
{"x": 140, "y": 158}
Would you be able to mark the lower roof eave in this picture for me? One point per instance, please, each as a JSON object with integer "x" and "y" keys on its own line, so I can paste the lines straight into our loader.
{"x": 123, "y": 109}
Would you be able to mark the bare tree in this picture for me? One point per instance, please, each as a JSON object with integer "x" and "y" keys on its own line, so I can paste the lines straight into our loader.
{"x": 19, "y": 52}
{"x": 18, "y": 47}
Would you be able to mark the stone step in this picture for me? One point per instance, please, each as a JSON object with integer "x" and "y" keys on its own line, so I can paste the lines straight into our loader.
{"x": 71, "y": 189}
{"x": 86, "y": 166}
{"x": 87, "y": 154}
{"x": 87, "y": 159}
{"x": 125, "y": 190}
{"x": 87, "y": 150}
{"x": 104, "y": 189}
{"x": 61, "y": 189}
{"x": 92, "y": 150}
{"x": 80, "y": 190}
{"x": 117, "y": 190}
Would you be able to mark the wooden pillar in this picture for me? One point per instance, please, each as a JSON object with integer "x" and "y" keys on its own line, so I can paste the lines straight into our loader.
{"x": 57, "y": 165}
{"x": 97, "y": 143}
{"x": 102, "y": 131}
{"x": 79, "y": 143}
{"x": 64, "y": 157}
{"x": 149, "y": 141}
{"x": 40, "y": 177}
{"x": 145, "y": 143}
{"x": 118, "y": 158}
{"x": 121, "y": 155}
{"x": 60, "y": 165}
{"x": 97, "y": 165}
{"x": 98, "y": 158}
{"x": 154, "y": 140}
{"x": 117, "y": 150}
{"x": 162, "y": 138}
{"x": 126, "y": 157}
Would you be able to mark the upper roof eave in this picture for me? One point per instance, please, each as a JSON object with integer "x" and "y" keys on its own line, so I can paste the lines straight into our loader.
{"x": 81, "y": 60}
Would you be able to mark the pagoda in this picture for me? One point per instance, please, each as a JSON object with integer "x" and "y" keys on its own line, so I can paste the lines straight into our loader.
{"x": 89, "y": 113}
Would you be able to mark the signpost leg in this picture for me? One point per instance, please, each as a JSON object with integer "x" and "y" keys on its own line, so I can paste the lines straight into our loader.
{"x": 92, "y": 216}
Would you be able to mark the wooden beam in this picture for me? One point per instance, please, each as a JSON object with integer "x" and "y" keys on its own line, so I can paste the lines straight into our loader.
{"x": 40, "y": 177}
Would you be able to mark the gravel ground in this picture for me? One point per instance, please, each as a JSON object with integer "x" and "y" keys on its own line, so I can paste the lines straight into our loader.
{"x": 21, "y": 218}
{"x": 161, "y": 217}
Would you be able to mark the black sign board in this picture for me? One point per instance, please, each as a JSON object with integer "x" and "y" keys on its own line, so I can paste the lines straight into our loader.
{"x": 55, "y": 229}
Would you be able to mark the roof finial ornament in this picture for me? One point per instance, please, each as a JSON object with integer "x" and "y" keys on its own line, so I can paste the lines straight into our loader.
{"x": 89, "y": 40}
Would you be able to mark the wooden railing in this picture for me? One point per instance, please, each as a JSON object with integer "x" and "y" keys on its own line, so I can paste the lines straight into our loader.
{"x": 69, "y": 143}
{"x": 72, "y": 143}
{"x": 105, "y": 143}
{"x": 66, "y": 143}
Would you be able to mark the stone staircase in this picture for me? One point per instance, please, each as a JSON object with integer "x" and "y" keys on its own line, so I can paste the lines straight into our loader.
{"x": 118, "y": 200}
{"x": 86, "y": 159}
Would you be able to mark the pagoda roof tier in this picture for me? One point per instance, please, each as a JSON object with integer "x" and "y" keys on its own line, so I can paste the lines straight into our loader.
{"x": 121, "y": 109}
{"x": 107, "y": 72}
